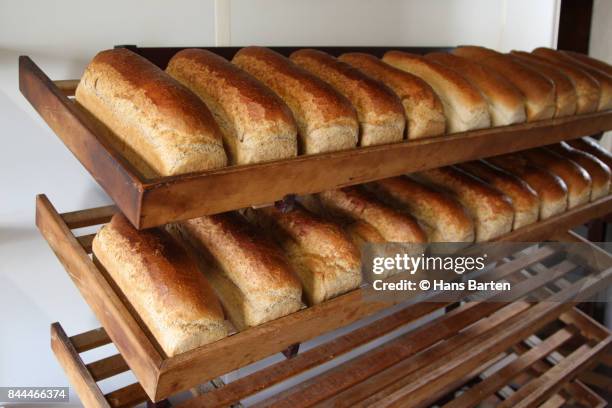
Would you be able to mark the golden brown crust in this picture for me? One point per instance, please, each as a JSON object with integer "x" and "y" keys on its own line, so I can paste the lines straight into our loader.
{"x": 598, "y": 170}
{"x": 324, "y": 257}
{"x": 566, "y": 99}
{"x": 464, "y": 106}
{"x": 604, "y": 80}
{"x": 575, "y": 177}
{"x": 551, "y": 189}
{"x": 257, "y": 125}
{"x": 491, "y": 210}
{"x": 326, "y": 120}
{"x": 254, "y": 266}
{"x": 539, "y": 90}
{"x": 525, "y": 200}
{"x": 590, "y": 145}
{"x": 156, "y": 118}
{"x": 360, "y": 205}
{"x": 380, "y": 112}
{"x": 587, "y": 87}
{"x": 444, "y": 219}
{"x": 506, "y": 102}
{"x": 162, "y": 284}
{"x": 422, "y": 107}
{"x": 593, "y": 62}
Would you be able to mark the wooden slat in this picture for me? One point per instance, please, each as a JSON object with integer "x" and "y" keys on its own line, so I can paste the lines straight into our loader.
{"x": 588, "y": 326}
{"x": 584, "y": 395}
{"x": 67, "y": 86}
{"x": 556, "y": 401}
{"x": 107, "y": 367}
{"x": 89, "y": 217}
{"x": 128, "y": 337}
{"x": 596, "y": 380}
{"x": 86, "y": 242}
{"x": 75, "y": 369}
{"x": 128, "y": 396}
{"x": 90, "y": 339}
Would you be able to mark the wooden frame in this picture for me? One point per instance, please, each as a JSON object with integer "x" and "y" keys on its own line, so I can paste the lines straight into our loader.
{"x": 152, "y": 202}
{"x": 161, "y": 376}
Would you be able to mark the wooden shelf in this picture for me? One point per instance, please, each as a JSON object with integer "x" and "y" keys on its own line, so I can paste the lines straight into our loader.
{"x": 161, "y": 376}
{"x": 152, "y": 202}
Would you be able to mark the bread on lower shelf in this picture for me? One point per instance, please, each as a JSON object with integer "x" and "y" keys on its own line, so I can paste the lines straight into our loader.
{"x": 163, "y": 285}
{"x": 590, "y": 145}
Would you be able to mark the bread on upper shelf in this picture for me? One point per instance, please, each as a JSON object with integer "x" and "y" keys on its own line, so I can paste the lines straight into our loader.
{"x": 249, "y": 272}
{"x": 256, "y": 124}
{"x": 380, "y": 112}
{"x": 162, "y": 283}
{"x": 422, "y": 106}
{"x": 326, "y": 120}
{"x": 161, "y": 126}
{"x": 464, "y": 106}
{"x": 505, "y": 101}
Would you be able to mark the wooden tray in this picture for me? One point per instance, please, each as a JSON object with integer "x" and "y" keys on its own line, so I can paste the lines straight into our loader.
{"x": 151, "y": 202}
{"x": 161, "y": 376}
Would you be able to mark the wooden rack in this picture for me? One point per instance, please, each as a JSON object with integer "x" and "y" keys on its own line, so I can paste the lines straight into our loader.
{"x": 151, "y": 202}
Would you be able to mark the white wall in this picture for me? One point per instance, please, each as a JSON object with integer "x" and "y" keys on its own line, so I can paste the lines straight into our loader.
{"x": 61, "y": 36}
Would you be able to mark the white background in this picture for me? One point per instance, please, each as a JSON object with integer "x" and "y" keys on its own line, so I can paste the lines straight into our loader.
{"x": 61, "y": 36}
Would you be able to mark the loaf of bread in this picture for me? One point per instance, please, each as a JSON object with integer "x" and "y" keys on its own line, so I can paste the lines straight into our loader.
{"x": 464, "y": 106}
{"x": 249, "y": 272}
{"x": 525, "y": 200}
{"x": 162, "y": 284}
{"x": 324, "y": 257}
{"x": 551, "y": 189}
{"x": 443, "y": 218}
{"x": 256, "y": 124}
{"x": 593, "y": 62}
{"x": 490, "y": 209}
{"x": 598, "y": 170}
{"x": 538, "y": 90}
{"x": 506, "y": 103}
{"x": 604, "y": 80}
{"x": 160, "y": 125}
{"x": 575, "y": 177}
{"x": 326, "y": 120}
{"x": 566, "y": 99}
{"x": 380, "y": 111}
{"x": 592, "y": 146}
{"x": 422, "y": 107}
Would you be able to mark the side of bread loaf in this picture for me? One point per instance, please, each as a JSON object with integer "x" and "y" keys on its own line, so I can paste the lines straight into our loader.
{"x": 538, "y": 90}
{"x": 422, "y": 106}
{"x": 326, "y": 120}
{"x": 464, "y": 107}
{"x": 593, "y": 62}
{"x": 380, "y": 112}
{"x": 592, "y": 146}
{"x": 575, "y": 177}
{"x": 256, "y": 124}
{"x": 598, "y": 170}
{"x": 491, "y": 210}
{"x": 551, "y": 189}
{"x": 156, "y": 120}
{"x": 505, "y": 101}
{"x": 324, "y": 257}
{"x": 443, "y": 218}
{"x": 249, "y": 272}
{"x": 162, "y": 283}
{"x": 525, "y": 200}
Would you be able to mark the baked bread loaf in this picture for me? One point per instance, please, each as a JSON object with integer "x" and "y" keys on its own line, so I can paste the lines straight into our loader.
{"x": 249, "y": 272}
{"x": 162, "y": 283}
{"x": 593, "y": 62}
{"x": 491, "y": 210}
{"x": 160, "y": 125}
{"x": 598, "y": 170}
{"x": 592, "y": 146}
{"x": 525, "y": 200}
{"x": 604, "y": 80}
{"x": 506, "y": 103}
{"x": 256, "y": 124}
{"x": 324, "y": 258}
{"x": 422, "y": 107}
{"x": 380, "y": 112}
{"x": 538, "y": 90}
{"x": 551, "y": 189}
{"x": 443, "y": 218}
{"x": 464, "y": 107}
{"x": 326, "y": 120}
{"x": 587, "y": 88}
{"x": 566, "y": 99}
{"x": 575, "y": 177}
